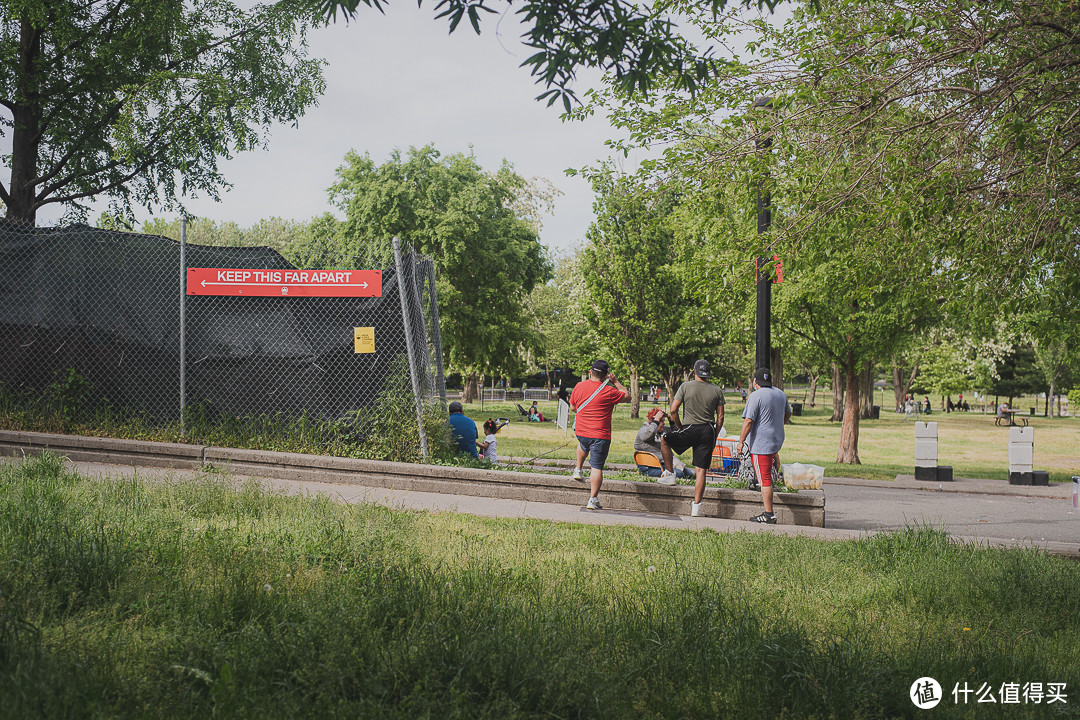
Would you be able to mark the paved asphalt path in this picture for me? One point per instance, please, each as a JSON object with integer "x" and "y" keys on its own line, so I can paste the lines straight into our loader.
{"x": 997, "y": 518}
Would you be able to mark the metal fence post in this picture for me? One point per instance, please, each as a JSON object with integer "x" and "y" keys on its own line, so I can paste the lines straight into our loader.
{"x": 410, "y": 345}
{"x": 183, "y": 320}
{"x": 429, "y": 266}
{"x": 422, "y": 345}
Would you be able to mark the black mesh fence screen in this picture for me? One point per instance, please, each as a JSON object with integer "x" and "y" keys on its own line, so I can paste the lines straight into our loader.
{"x": 107, "y": 306}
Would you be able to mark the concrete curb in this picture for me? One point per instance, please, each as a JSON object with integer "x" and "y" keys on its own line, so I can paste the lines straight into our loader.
{"x": 807, "y": 508}
{"x": 103, "y": 450}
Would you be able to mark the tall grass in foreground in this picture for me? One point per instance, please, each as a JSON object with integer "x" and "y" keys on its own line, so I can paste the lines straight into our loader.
{"x": 199, "y": 599}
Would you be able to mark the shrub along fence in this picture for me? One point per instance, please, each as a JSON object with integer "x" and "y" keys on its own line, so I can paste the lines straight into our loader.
{"x": 144, "y": 325}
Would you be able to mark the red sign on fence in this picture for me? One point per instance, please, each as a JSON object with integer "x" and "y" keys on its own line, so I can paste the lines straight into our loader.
{"x": 250, "y": 282}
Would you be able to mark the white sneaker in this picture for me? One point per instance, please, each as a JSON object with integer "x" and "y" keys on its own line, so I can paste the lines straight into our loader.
{"x": 667, "y": 478}
{"x": 577, "y": 474}
{"x": 696, "y": 510}
{"x": 594, "y": 504}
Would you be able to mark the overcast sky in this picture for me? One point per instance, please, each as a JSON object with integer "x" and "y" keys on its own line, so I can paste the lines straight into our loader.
{"x": 400, "y": 80}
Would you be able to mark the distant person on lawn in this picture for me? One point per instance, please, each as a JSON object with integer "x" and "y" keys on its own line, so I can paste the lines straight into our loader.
{"x": 462, "y": 430}
{"x": 534, "y": 413}
{"x": 594, "y": 401}
{"x": 766, "y": 411}
{"x": 704, "y": 406}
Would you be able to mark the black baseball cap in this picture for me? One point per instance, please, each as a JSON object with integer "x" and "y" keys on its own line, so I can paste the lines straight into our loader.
{"x": 601, "y": 367}
{"x": 701, "y": 369}
{"x": 455, "y": 406}
{"x": 763, "y": 377}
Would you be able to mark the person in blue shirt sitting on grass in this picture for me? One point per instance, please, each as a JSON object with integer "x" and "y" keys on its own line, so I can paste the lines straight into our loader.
{"x": 462, "y": 430}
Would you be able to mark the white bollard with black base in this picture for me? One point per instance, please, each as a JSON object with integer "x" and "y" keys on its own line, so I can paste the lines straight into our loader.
{"x": 926, "y": 454}
{"x": 1022, "y": 458}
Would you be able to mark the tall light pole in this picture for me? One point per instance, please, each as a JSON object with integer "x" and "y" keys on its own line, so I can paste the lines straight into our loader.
{"x": 762, "y": 353}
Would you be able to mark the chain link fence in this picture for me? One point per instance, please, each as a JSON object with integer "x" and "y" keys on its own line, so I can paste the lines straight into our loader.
{"x": 100, "y": 319}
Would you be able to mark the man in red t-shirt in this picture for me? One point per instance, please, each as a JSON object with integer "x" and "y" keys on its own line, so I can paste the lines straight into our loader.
{"x": 594, "y": 401}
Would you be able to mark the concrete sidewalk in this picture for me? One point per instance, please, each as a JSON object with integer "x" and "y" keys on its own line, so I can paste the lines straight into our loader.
{"x": 961, "y": 485}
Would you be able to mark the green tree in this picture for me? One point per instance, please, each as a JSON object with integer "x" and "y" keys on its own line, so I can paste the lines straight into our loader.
{"x": 135, "y": 100}
{"x": 1018, "y": 373}
{"x": 718, "y": 290}
{"x": 847, "y": 297}
{"x": 315, "y": 245}
{"x": 985, "y": 130}
{"x": 487, "y": 258}
{"x": 1053, "y": 322}
{"x": 856, "y": 285}
{"x": 559, "y": 310}
{"x": 944, "y": 368}
{"x": 277, "y": 233}
{"x": 199, "y": 231}
{"x": 633, "y": 288}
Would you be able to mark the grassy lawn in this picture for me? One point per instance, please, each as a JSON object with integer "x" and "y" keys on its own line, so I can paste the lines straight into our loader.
{"x": 122, "y": 599}
{"x": 970, "y": 442}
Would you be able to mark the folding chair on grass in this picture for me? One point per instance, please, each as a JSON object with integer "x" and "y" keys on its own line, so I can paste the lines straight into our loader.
{"x": 647, "y": 459}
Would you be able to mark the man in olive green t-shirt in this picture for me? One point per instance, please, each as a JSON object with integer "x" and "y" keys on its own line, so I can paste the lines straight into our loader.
{"x": 702, "y": 402}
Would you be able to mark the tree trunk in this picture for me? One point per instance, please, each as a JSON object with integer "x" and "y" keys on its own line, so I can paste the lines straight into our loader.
{"x": 813, "y": 390}
{"x": 25, "y": 130}
{"x": 848, "y": 454}
{"x": 1051, "y": 401}
{"x": 547, "y": 379}
{"x": 671, "y": 382}
{"x": 472, "y": 388}
{"x": 635, "y": 392}
{"x": 902, "y": 387}
{"x": 837, "y": 394}
{"x": 897, "y": 385}
{"x": 776, "y": 359}
{"x": 866, "y": 399}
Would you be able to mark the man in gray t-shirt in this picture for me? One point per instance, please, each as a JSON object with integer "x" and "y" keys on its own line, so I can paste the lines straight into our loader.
{"x": 703, "y": 408}
{"x": 766, "y": 411}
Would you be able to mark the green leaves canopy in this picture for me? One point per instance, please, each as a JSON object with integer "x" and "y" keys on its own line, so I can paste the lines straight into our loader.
{"x": 633, "y": 292}
{"x": 135, "y": 100}
{"x": 633, "y": 42}
{"x": 487, "y": 258}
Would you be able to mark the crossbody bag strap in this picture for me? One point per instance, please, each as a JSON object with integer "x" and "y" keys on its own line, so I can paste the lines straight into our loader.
{"x": 588, "y": 400}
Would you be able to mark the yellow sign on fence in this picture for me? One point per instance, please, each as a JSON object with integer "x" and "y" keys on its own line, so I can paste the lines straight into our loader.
{"x": 364, "y": 339}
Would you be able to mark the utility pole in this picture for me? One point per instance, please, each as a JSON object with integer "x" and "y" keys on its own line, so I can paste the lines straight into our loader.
{"x": 763, "y": 335}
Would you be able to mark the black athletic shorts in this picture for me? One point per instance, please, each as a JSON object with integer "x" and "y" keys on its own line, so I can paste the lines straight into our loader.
{"x": 700, "y": 437}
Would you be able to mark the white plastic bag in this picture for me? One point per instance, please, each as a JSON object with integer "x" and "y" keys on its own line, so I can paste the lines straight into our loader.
{"x": 803, "y": 476}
